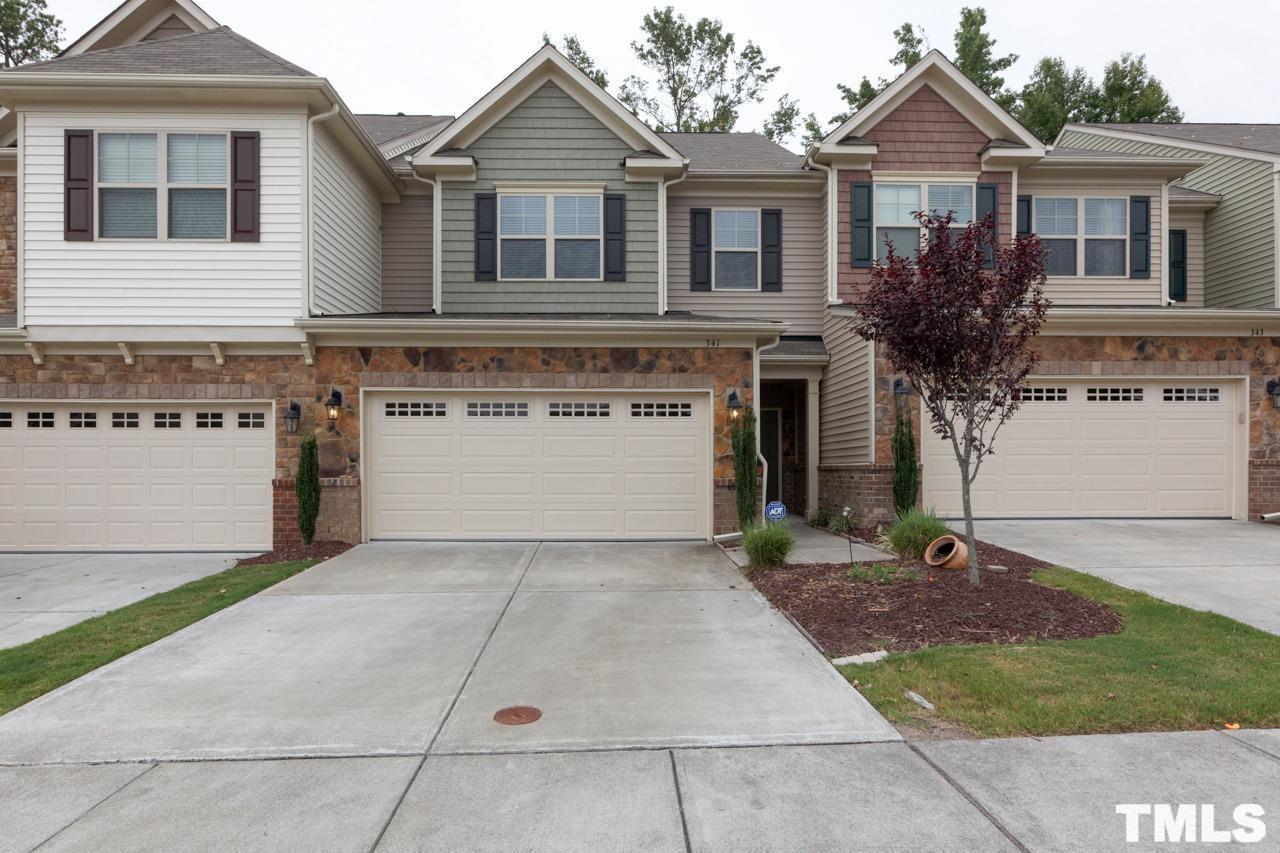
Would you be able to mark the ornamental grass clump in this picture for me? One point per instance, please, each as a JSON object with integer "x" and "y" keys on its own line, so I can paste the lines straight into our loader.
{"x": 767, "y": 545}
{"x": 911, "y": 534}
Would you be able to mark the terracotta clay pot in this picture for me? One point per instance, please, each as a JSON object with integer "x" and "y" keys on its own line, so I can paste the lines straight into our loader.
{"x": 947, "y": 552}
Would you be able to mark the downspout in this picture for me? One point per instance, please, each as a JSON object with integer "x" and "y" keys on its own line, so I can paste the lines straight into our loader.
{"x": 435, "y": 240}
{"x": 311, "y": 203}
{"x": 755, "y": 406}
{"x": 662, "y": 240}
{"x": 832, "y": 285}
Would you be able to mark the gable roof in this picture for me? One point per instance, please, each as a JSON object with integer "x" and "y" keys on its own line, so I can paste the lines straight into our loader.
{"x": 950, "y": 83}
{"x": 1248, "y": 137}
{"x": 132, "y": 20}
{"x": 546, "y": 64}
{"x": 383, "y": 128}
{"x": 734, "y": 152}
{"x": 219, "y": 52}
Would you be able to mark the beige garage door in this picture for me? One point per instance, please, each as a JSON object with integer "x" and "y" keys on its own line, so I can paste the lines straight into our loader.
{"x": 1102, "y": 448}
{"x": 118, "y": 476}
{"x": 534, "y": 465}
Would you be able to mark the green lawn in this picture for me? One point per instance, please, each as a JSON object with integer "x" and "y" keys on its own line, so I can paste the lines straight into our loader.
{"x": 1170, "y": 668}
{"x": 29, "y": 670}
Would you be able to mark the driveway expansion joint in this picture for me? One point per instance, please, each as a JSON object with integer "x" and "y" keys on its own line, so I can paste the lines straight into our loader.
{"x": 91, "y": 808}
{"x": 973, "y": 801}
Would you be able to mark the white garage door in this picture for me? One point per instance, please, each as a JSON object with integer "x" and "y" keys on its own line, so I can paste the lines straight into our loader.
{"x": 537, "y": 465}
{"x": 1103, "y": 447}
{"x": 122, "y": 476}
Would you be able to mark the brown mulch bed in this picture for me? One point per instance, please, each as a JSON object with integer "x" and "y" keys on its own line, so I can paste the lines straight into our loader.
{"x": 849, "y": 616}
{"x": 314, "y": 551}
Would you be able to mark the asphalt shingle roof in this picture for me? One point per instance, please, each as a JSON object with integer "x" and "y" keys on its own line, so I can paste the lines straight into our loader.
{"x": 218, "y": 52}
{"x": 734, "y": 152}
{"x": 1252, "y": 137}
{"x": 383, "y": 128}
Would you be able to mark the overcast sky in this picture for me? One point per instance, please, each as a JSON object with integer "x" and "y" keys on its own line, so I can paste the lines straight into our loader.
{"x": 1217, "y": 60}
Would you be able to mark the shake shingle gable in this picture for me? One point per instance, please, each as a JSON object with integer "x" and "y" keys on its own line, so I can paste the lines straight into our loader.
{"x": 220, "y": 52}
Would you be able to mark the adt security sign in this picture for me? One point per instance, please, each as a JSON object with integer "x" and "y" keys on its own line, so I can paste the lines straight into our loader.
{"x": 775, "y": 511}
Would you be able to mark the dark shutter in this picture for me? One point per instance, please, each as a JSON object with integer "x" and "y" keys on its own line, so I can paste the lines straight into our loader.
{"x": 246, "y": 186}
{"x": 615, "y": 237}
{"x": 771, "y": 250}
{"x": 1178, "y": 265}
{"x": 863, "y": 249}
{"x": 486, "y": 237}
{"x": 1024, "y": 216}
{"x": 77, "y": 185}
{"x": 987, "y": 206}
{"x": 1139, "y": 236}
{"x": 700, "y": 248}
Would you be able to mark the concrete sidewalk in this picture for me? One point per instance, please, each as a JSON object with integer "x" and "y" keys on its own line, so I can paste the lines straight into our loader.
{"x": 819, "y": 546}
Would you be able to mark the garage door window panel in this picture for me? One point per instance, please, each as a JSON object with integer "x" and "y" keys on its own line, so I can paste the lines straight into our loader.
{"x": 416, "y": 409}
{"x": 40, "y": 420}
{"x": 6, "y": 420}
{"x": 124, "y": 420}
{"x": 1040, "y": 394}
{"x": 83, "y": 420}
{"x": 1115, "y": 394}
{"x": 661, "y": 409}
{"x": 497, "y": 409}
{"x": 252, "y": 420}
{"x": 167, "y": 420}
{"x": 1192, "y": 395}
{"x": 208, "y": 420}
{"x": 578, "y": 409}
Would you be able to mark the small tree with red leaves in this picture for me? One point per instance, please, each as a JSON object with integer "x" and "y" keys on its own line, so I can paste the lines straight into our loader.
{"x": 958, "y": 322}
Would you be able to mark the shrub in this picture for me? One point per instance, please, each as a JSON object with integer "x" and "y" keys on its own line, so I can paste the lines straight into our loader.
{"x": 912, "y": 533}
{"x": 820, "y": 518}
{"x": 745, "y": 476}
{"x": 906, "y": 468}
{"x": 840, "y": 525}
{"x": 877, "y": 573}
{"x": 768, "y": 544}
{"x": 308, "y": 488}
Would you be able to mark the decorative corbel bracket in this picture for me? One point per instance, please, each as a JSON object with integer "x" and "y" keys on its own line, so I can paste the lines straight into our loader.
{"x": 36, "y": 352}
{"x": 126, "y": 351}
{"x": 219, "y": 355}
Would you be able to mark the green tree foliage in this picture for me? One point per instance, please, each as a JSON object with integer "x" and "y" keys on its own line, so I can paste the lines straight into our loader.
{"x": 1055, "y": 96}
{"x": 911, "y": 42}
{"x": 746, "y": 476}
{"x": 975, "y": 56}
{"x": 698, "y": 77}
{"x": 308, "y": 488}
{"x": 28, "y": 32}
{"x": 1128, "y": 92}
{"x": 573, "y": 50}
{"x": 906, "y": 467}
{"x": 781, "y": 123}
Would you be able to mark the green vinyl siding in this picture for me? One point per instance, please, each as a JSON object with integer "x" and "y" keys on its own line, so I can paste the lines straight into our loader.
{"x": 550, "y": 138}
{"x": 1239, "y": 234}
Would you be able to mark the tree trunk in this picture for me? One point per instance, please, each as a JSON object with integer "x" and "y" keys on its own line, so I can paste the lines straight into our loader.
{"x": 975, "y": 578}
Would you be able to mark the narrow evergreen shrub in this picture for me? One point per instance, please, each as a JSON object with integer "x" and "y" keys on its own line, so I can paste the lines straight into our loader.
{"x": 767, "y": 544}
{"x": 746, "y": 477}
{"x": 906, "y": 468}
{"x": 308, "y": 488}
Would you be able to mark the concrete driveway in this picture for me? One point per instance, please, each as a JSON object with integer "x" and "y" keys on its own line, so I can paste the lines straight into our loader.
{"x": 1228, "y": 567}
{"x": 43, "y": 593}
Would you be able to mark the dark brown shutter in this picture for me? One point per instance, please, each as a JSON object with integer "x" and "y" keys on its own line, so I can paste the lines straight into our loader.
{"x": 988, "y": 205}
{"x": 862, "y": 245}
{"x": 77, "y": 185}
{"x": 700, "y": 248}
{"x": 615, "y": 237}
{"x": 486, "y": 237}
{"x": 771, "y": 250}
{"x": 1024, "y": 216}
{"x": 1178, "y": 265}
{"x": 246, "y": 186}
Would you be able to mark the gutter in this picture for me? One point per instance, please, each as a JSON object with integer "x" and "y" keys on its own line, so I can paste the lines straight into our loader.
{"x": 311, "y": 201}
{"x": 525, "y": 325}
{"x": 1141, "y": 319}
{"x": 755, "y": 405}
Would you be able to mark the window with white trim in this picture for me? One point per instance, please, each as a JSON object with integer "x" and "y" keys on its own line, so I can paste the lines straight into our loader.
{"x": 167, "y": 420}
{"x": 896, "y": 205}
{"x": 578, "y": 409}
{"x": 83, "y": 420}
{"x": 251, "y": 420}
{"x": 497, "y": 409}
{"x": 1113, "y": 395}
{"x": 735, "y": 244}
{"x": 1192, "y": 395}
{"x": 39, "y": 420}
{"x": 208, "y": 420}
{"x": 167, "y": 186}
{"x": 416, "y": 409}
{"x": 662, "y": 409}
{"x": 552, "y": 236}
{"x": 1043, "y": 394}
{"x": 124, "y": 420}
{"x": 1100, "y": 248}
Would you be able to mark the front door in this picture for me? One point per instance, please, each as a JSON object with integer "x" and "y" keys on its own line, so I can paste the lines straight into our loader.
{"x": 770, "y": 449}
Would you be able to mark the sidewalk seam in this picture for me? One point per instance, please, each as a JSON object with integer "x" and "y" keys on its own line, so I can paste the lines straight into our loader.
{"x": 675, "y": 780}
{"x": 973, "y": 801}
{"x": 91, "y": 808}
{"x": 1232, "y": 737}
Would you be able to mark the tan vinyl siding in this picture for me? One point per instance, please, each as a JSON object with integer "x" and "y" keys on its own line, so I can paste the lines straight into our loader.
{"x": 1239, "y": 233}
{"x": 803, "y": 263}
{"x": 1192, "y": 221}
{"x": 346, "y": 234}
{"x": 162, "y": 282}
{"x": 845, "y": 425}
{"x": 549, "y": 138}
{"x": 406, "y": 254}
{"x": 1087, "y": 290}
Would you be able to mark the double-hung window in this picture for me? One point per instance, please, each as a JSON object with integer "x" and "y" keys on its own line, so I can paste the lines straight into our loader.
{"x": 1100, "y": 248}
{"x": 895, "y": 213}
{"x": 550, "y": 237}
{"x": 735, "y": 239}
{"x": 162, "y": 186}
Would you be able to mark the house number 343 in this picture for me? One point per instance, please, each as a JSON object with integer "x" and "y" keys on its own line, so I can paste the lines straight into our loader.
{"x": 1257, "y": 333}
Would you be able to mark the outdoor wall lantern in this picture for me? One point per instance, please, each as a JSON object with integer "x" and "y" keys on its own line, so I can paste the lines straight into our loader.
{"x": 734, "y": 404}
{"x": 291, "y": 417}
{"x": 334, "y": 404}
{"x": 1273, "y": 388}
{"x": 900, "y": 388}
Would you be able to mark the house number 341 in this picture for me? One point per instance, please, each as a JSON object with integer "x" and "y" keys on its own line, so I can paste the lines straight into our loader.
{"x": 713, "y": 342}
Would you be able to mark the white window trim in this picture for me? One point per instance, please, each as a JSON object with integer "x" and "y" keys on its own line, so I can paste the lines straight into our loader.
{"x": 759, "y": 212}
{"x": 550, "y": 236}
{"x": 1080, "y": 237}
{"x": 922, "y": 183}
{"x": 161, "y": 186}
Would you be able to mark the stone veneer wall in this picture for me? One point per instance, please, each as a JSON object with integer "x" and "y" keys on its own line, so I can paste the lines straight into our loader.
{"x": 8, "y": 245}
{"x": 1120, "y": 356}
{"x": 284, "y": 378}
